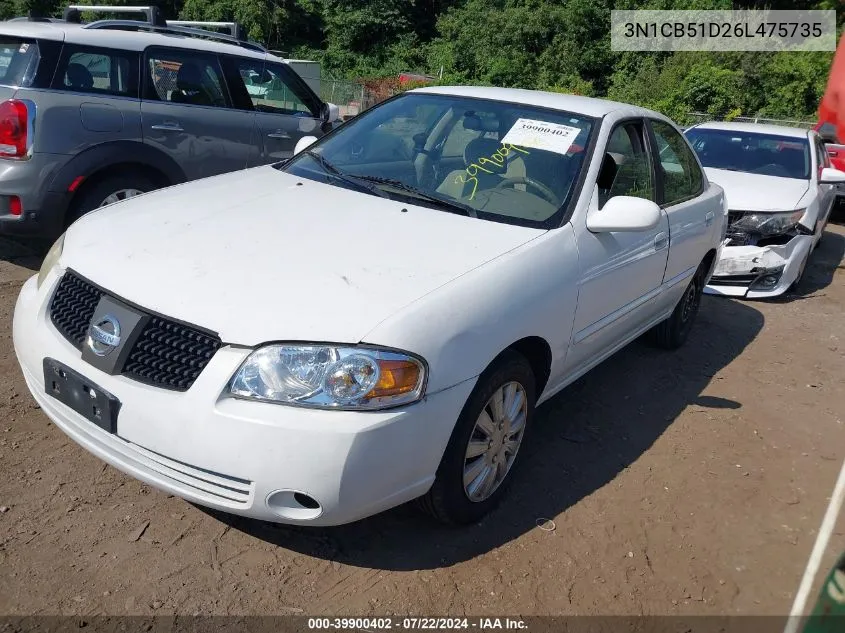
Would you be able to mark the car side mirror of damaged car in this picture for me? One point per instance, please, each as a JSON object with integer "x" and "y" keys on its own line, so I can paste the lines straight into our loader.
{"x": 304, "y": 143}
{"x": 330, "y": 113}
{"x": 831, "y": 176}
{"x": 624, "y": 213}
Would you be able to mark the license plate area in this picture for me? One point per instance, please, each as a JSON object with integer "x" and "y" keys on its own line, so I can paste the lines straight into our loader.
{"x": 81, "y": 395}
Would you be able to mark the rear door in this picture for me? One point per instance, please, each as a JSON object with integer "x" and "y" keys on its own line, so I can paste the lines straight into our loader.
{"x": 285, "y": 108}
{"x": 692, "y": 210}
{"x": 188, "y": 113}
{"x": 93, "y": 100}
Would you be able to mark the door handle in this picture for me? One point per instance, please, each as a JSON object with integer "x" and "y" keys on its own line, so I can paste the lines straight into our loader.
{"x": 169, "y": 126}
{"x": 661, "y": 240}
{"x": 708, "y": 219}
{"x": 279, "y": 134}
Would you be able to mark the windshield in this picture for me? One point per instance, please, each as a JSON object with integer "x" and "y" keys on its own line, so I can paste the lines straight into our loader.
{"x": 765, "y": 154}
{"x": 18, "y": 61}
{"x": 488, "y": 159}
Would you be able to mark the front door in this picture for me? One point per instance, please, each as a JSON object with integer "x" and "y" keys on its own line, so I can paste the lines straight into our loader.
{"x": 285, "y": 108}
{"x": 621, "y": 272}
{"x": 187, "y": 113}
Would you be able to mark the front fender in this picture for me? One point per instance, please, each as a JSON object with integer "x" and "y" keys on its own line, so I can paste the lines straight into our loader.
{"x": 462, "y": 326}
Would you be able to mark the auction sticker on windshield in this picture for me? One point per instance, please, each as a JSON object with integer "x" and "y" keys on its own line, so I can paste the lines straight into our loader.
{"x": 552, "y": 137}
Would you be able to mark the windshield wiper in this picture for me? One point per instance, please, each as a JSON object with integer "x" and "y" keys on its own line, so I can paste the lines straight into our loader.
{"x": 341, "y": 175}
{"x": 448, "y": 205}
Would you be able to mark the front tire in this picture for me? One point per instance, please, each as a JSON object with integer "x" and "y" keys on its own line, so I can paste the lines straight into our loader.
{"x": 478, "y": 464}
{"x": 673, "y": 332}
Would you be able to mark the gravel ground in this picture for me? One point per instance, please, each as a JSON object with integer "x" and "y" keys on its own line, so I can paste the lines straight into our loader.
{"x": 679, "y": 483}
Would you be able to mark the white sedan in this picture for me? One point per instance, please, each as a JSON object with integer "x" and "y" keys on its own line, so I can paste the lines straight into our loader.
{"x": 780, "y": 188}
{"x": 375, "y": 320}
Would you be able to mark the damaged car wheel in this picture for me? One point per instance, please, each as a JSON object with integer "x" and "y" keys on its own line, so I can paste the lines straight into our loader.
{"x": 673, "y": 332}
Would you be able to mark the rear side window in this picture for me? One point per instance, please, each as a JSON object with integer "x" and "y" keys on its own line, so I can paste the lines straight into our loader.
{"x": 682, "y": 178}
{"x": 18, "y": 61}
{"x": 185, "y": 77}
{"x": 98, "y": 71}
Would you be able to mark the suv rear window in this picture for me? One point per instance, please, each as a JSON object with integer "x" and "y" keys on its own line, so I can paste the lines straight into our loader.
{"x": 98, "y": 71}
{"x": 18, "y": 61}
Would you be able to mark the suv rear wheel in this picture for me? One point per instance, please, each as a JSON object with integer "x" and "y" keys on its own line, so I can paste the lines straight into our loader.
{"x": 108, "y": 191}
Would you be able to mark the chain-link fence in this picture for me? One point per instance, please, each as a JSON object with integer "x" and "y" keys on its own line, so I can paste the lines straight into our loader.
{"x": 694, "y": 118}
{"x": 349, "y": 96}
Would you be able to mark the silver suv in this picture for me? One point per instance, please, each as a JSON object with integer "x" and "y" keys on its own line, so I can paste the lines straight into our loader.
{"x": 94, "y": 113}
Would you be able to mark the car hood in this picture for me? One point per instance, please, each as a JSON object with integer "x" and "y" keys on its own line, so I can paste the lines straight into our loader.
{"x": 754, "y": 192}
{"x": 260, "y": 255}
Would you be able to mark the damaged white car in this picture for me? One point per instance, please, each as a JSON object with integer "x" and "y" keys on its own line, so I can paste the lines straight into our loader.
{"x": 780, "y": 189}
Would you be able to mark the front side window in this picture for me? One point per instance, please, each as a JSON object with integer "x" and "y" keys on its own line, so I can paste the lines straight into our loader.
{"x": 270, "y": 90}
{"x": 626, "y": 169}
{"x": 185, "y": 77}
{"x": 498, "y": 161}
{"x": 682, "y": 178}
{"x": 18, "y": 61}
{"x": 752, "y": 152}
{"x": 98, "y": 72}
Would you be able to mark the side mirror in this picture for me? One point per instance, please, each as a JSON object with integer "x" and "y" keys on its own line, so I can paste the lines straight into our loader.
{"x": 331, "y": 113}
{"x": 624, "y": 213}
{"x": 831, "y": 176}
{"x": 304, "y": 143}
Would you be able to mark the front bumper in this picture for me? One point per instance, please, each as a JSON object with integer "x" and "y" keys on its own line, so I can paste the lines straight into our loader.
{"x": 246, "y": 458}
{"x": 742, "y": 270}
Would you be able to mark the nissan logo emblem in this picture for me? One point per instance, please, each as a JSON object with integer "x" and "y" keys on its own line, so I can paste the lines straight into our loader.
{"x": 103, "y": 335}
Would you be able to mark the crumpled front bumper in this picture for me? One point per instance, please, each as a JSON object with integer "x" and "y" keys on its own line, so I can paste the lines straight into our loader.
{"x": 757, "y": 272}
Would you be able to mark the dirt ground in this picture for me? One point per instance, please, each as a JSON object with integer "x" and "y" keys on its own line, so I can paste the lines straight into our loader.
{"x": 679, "y": 483}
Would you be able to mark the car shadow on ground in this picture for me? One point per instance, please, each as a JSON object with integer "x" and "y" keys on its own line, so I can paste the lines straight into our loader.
{"x": 824, "y": 262}
{"x": 20, "y": 253}
{"x": 581, "y": 440}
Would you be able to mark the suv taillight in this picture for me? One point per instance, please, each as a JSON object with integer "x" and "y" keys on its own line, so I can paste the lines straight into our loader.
{"x": 13, "y": 129}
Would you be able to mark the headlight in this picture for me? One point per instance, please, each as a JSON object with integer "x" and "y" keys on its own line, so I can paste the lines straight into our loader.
{"x": 330, "y": 377}
{"x": 767, "y": 223}
{"x": 50, "y": 260}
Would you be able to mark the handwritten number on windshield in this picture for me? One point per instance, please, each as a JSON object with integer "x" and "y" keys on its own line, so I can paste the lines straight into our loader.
{"x": 497, "y": 159}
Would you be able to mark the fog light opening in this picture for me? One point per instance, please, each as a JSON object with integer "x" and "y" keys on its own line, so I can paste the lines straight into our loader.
{"x": 305, "y": 501}
{"x": 294, "y": 505}
{"x": 768, "y": 280}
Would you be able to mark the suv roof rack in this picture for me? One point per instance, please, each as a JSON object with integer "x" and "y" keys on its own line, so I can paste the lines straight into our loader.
{"x": 235, "y": 29}
{"x": 137, "y": 25}
{"x": 73, "y": 13}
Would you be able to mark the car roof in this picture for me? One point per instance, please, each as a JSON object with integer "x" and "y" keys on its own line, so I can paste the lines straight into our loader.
{"x": 124, "y": 39}
{"x": 588, "y": 106}
{"x": 753, "y": 128}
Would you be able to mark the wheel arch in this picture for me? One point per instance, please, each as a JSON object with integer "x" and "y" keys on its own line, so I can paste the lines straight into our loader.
{"x": 708, "y": 264}
{"x": 537, "y": 351}
{"x": 108, "y": 159}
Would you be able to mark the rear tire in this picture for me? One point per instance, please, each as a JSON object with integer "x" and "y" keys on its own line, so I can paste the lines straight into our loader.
{"x": 110, "y": 189}
{"x": 673, "y": 332}
{"x": 465, "y": 460}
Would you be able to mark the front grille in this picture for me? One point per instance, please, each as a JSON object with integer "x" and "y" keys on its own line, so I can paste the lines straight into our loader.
{"x": 166, "y": 354}
{"x": 169, "y": 354}
{"x": 734, "y": 280}
{"x": 72, "y": 308}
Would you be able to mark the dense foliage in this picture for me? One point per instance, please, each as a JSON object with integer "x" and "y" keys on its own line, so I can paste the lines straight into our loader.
{"x": 561, "y": 45}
